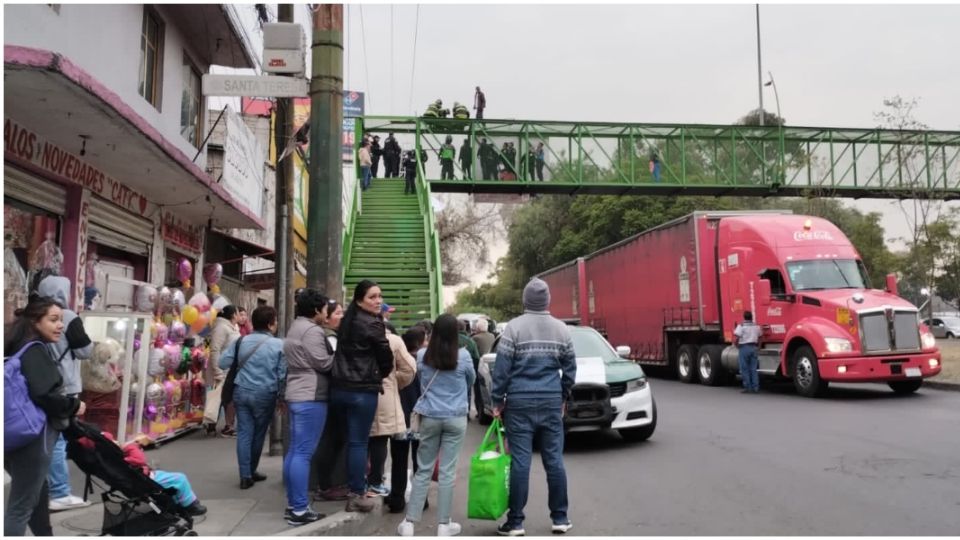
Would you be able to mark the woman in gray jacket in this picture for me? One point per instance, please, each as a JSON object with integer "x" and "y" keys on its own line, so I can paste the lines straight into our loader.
{"x": 309, "y": 358}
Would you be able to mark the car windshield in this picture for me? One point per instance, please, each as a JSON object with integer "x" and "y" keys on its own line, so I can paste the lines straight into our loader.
{"x": 827, "y": 274}
{"x": 588, "y": 343}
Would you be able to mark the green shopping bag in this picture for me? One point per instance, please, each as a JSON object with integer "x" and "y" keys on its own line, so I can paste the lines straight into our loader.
{"x": 488, "y": 495}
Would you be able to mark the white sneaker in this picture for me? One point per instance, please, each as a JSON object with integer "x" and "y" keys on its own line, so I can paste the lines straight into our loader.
{"x": 67, "y": 503}
{"x": 561, "y": 528}
{"x": 448, "y": 529}
{"x": 405, "y": 528}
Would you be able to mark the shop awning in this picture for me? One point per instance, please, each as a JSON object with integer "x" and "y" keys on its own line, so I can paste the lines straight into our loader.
{"x": 64, "y": 105}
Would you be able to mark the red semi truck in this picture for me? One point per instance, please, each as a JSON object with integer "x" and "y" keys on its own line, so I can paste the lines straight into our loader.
{"x": 675, "y": 293}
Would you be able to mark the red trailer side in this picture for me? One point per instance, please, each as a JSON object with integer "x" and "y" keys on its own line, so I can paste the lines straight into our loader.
{"x": 564, "y": 291}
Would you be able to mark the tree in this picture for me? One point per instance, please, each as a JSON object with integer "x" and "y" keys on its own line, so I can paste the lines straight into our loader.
{"x": 465, "y": 230}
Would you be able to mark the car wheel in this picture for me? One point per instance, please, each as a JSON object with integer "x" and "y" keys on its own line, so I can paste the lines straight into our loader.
{"x": 709, "y": 367}
{"x": 686, "y": 363}
{"x": 905, "y": 387}
{"x": 806, "y": 373}
{"x": 641, "y": 433}
{"x": 950, "y": 335}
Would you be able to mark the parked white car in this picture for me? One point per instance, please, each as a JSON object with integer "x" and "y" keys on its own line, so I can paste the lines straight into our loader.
{"x": 609, "y": 392}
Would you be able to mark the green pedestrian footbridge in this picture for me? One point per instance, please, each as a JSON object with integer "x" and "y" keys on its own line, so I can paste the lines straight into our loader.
{"x": 391, "y": 238}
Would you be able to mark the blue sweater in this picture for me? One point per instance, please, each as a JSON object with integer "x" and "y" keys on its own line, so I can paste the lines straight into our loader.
{"x": 265, "y": 371}
{"x": 447, "y": 397}
{"x": 535, "y": 359}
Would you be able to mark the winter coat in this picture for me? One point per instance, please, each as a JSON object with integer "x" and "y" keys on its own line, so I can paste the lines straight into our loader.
{"x": 390, "y": 419}
{"x": 74, "y": 344}
{"x": 45, "y": 385}
{"x": 309, "y": 358}
{"x": 364, "y": 357}
{"x": 223, "y": 334}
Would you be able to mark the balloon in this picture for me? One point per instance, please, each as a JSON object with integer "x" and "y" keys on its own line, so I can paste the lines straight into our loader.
{"x": 160, "y": 331}
{"x": 189, "y": 314}
{"x": 199, "y": 324}
{"x": 197, "y": 359}
{"x": 155, "y": 394}
{"x": 136, "y": 344}
{"x": 171, "y": 357}
{"x": 221, "y": 302}
{"x": 150, "y": 412}
{"x": 197, "y": 393}
{"x": 167, "y": 319}
{"x": 134, "y": 390}
{"x": 156, "y": 367}
{"x": 178, "y": 331}
{"x": 213, "y": 314}
{"x": 178, "y": 299}
{"x": 184, "y": 269}
{"x": 212, "y": 273}
{"x": 146, "y": 298}
{"x": 201, "y": 302}
{"x": 172, "y": 390}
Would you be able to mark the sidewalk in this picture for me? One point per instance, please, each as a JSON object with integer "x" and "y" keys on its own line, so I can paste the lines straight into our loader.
{"x": 211, "y": 465}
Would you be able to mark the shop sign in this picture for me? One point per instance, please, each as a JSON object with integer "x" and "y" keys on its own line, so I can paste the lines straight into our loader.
{"x": 83, "y": 232}
{"x": 181, "y": 234}
{"x": 243, "y": 159}
{"x": 22, "y": 145}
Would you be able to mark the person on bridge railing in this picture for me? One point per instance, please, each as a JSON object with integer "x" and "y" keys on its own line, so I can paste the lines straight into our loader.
{"x": 540, "y": 161}
{"x": 447, "y": 154}
{"x": 391, "y": 156}
{"x": 479, "y": 103}
{"x": 410, "y": 173}
{"x": 488, "y": 160}
{"x": 375, "y": 153}
{"x": 466, "y": 159}
{"x": 460, "y": 112}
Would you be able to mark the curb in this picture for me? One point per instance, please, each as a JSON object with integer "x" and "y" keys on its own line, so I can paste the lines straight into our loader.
{"x": 940, "y": 385}
{"x": 341, "y": 524}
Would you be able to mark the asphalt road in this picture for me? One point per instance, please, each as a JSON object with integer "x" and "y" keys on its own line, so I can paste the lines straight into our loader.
{"x": 861, "y": 461}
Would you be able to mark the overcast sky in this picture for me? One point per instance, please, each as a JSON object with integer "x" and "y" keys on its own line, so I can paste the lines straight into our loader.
{"x": 833, "y": 65}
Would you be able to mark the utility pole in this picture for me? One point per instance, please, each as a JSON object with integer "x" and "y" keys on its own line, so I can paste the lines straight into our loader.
{"x": 283, "y": 237}
{"x": 324, "y": 213}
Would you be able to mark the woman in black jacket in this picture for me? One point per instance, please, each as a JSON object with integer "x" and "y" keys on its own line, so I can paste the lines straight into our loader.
{"x": 41, "y": 321}
{"x": 362, "y": 360}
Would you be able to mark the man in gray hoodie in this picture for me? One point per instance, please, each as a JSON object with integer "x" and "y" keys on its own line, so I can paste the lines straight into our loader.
{"x": 74, "y": 346}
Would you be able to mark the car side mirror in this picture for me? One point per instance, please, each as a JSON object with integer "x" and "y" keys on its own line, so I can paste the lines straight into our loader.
{"x": 623, "y": 351}
{"x": 892, "y": 284}
{"x": 763, "y": 292}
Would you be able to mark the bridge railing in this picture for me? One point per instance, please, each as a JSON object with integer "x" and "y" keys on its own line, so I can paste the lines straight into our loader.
{"x": 594, "y": 157}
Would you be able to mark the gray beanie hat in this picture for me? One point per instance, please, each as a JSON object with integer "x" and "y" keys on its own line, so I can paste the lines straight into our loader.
{"x": 536, "y": 295}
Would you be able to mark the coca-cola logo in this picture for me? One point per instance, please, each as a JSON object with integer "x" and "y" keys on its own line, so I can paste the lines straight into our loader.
{"x": 800, "y": 236}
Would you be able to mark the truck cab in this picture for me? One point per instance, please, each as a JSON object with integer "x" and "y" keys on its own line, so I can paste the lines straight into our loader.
{"x": 807, "y": 287}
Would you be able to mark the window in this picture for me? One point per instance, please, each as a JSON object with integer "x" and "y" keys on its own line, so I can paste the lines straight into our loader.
{"x": 777, "y": 285}
{"x": 191, "y": 112}
{"x": 827, "y": 274}
{"x": 151, "y": 57}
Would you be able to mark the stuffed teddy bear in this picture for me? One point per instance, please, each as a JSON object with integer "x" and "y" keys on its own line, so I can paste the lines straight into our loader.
{"x": 101, "y": 373}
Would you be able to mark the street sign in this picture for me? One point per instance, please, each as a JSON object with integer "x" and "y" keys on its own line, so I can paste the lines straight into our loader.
{"x": 255, "y": 86}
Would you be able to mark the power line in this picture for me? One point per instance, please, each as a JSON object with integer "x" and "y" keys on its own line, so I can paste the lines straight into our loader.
{"x": 413, "y": 70}
{"x": 366, "y": 62}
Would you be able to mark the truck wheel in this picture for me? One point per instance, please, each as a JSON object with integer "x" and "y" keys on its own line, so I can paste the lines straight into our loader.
{"x": 806, "y": 373}
{"x": 687, "y": 363}
{"x": 709, "y": 366}
{"x": 642, "y": 433}
{"x": 905, "y": 387}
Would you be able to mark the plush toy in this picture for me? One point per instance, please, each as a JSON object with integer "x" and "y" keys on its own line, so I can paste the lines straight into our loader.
{"x": 101, "y": 372}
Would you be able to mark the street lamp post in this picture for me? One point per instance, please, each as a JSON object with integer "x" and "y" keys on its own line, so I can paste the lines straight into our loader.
{"x": 759, "y": 66}
{"x": 776, "y": 95}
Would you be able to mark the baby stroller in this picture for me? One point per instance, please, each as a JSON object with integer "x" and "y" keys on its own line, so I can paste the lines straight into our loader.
{"x": 134, "y": 505}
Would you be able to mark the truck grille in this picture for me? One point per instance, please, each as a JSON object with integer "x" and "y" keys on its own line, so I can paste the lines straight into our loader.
{"x": 617, "y": 389}
{"x": 882, "y": 331}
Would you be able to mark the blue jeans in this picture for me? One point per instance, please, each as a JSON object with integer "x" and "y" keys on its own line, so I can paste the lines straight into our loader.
{"x": 524, "y": 420}
{"x": 749, "y": 362}
{"x": 443, "y": 436}
{"x": 28, "y": 468}
{"x": 254, "y": 412}
{"x": 365, "y": 175}
{"x": 307, "y": 419}
{"x": 59, "y": 476}
{"x": 358, "y": 408}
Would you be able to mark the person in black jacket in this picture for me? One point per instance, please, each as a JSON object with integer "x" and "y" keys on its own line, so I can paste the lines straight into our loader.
{"x": 363, "y": 359}
{"x": 391, "y": 156}
{"x": 41, "y": 321}
{"x": 401, "y": 445}
{"x": 375, "y": 153}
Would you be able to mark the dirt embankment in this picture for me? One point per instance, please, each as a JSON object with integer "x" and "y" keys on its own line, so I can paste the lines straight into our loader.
{"x": 950, "y": 353}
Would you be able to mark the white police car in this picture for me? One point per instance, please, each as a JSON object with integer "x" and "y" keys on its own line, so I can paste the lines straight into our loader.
{"x": 609, "y": 392}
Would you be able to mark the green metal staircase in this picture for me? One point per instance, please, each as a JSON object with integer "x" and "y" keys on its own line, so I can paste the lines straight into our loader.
{"x": 391, "y": 239}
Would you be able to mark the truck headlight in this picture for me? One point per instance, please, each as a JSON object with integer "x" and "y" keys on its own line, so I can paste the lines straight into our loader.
{"x": 928, "y": 341}
{"x": 838, "y": 345}
{"x": 636, "y": 384}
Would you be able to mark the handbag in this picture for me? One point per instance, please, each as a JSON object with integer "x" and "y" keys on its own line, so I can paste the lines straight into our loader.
{"x": 488, "y": 493}
{"x": 229, "y": 384}
{"x": 415, "y": 418}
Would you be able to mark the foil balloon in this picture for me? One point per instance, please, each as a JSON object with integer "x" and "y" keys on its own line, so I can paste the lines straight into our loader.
{"x": 164, "y": 300}
{"x": 167, "y": 319}
{"x": 155, "y": 394}
{"x": 212, "y": 273}
{"x": 184, "y": 364}
{"x": 145, "y": 298}
{"x": 198, "y": 359}
{"x": 171, "y": 357}
{"x": 178, "y": 299}
{"x": 200, "y": 301}
{"x": 150, "y": 412}
{"x": 160, "y": 331}
{"x": 178, "y": 331}
{"x": 156, "y": 367}
{"x": 221, "y": 302}
{"x": 197, "y": 393}
{"x": 172, "y": 390}
{"x": 189, "y": 314}
{"x": 184, "y": 270}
